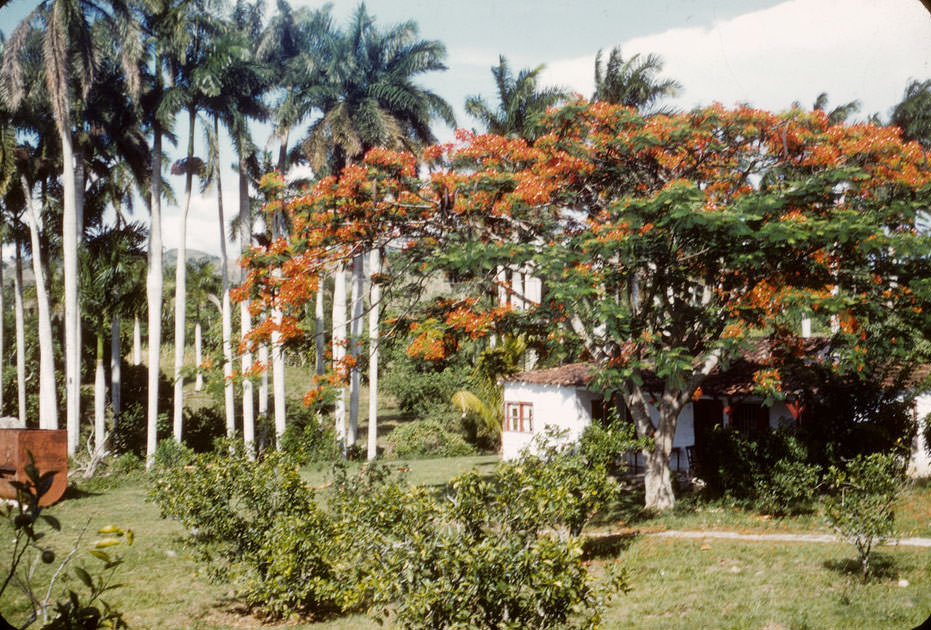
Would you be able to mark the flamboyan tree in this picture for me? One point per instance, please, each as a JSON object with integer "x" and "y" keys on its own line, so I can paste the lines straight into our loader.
{"x": 666, "y": 245}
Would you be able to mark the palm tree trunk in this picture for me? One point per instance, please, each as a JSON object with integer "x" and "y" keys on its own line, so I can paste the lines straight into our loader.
{"x": 100, "y": 388}
{"x": 355, "y": 375}
{"x": 20, "y": 337}
{"x": 69, "y": 240}
{"x": 263, "y": 381}
{"x": 278, "y": 381}
{"x": 339, "y": 351}
{"x": 1, "y": 337}
{"x": 48, "y": 400}
{"x": 245, "y": 239}
{"x": 198, "y": 357}
{"x": 226, "y": 314}
{"x": 137, "y": 340}
{"x": 154, "y": 296}
{"x": 374, "y": 305}
{"x": 319, "y": 329}
{"x": 180, "y": 288}
{"x": 116, "y": 360}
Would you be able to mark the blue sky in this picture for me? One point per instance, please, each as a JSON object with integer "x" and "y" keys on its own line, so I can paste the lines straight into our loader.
{"x": 762, "y": 52}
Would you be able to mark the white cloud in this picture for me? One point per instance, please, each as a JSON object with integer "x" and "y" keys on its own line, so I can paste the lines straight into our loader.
{"x": 851, "y": 49}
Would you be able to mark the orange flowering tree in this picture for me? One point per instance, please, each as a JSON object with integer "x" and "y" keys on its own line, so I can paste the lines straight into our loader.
{"x": 664, "y": 244}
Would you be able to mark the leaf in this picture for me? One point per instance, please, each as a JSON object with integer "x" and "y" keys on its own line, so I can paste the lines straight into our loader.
{"x": 102, "y": 555}
{"x": 52, "y": 521}
{"x": 84, "y": 576}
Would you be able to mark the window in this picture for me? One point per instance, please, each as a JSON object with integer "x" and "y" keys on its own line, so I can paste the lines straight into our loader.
{"x": 750, "y": 419}
{"x": 519, "y": 417}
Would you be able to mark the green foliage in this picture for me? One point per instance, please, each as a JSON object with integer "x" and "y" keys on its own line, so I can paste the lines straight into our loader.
{"x": 422, "y": 388}
{"x": 771, "y": 471}
{"x": 76, "y": 610}
{"x": 494, "y": 554}
{"x": 426, "y": 438}
{"x": 256, "y": 522}
{"x": 860, "y": 508}
{"x": 201, "y": 426}
{"x": 129, "y": 432}
{"x": 307, "y": 438}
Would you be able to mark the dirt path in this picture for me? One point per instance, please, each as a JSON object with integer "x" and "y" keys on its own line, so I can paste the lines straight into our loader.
{"x": 803, "y": 538}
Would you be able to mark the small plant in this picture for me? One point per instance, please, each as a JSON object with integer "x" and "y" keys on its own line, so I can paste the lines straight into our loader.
{"x": 426, "y": 438}
{"x": 76, "y": 610}
{"x": 860, "y": 509}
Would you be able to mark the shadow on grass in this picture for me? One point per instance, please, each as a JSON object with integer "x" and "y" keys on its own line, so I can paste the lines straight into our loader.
{"x": 76, "y": 492}
{"x": 882, "y": 566}
{"x": 607, "y": 546}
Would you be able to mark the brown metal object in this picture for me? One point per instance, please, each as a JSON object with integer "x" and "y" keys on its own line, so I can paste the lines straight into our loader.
{"x": 49, "y": 450}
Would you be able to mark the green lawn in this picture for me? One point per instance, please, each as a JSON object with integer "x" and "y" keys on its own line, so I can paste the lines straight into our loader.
{"x": 675, "y": 583}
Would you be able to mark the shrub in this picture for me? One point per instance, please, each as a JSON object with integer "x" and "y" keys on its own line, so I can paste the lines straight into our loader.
{"x": 487, "y": 557}
{"x": 422, "y": 388}
{"x": 257, "y": 524}
{"x": 860, "y": 509}
{"x": 74, "y": 609}
{"x": 129, "y": 432}
{"x": 200, "y": 427}
{"x": 770, "y": 472}
{"x": 307, "y": 439}
{"x": 426, "y": 438}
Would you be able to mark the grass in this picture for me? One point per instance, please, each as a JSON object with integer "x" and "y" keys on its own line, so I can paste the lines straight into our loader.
{"x": 675, "y": 583}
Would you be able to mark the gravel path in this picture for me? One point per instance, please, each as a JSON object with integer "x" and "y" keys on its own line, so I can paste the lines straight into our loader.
{"x": 804, "y": 538}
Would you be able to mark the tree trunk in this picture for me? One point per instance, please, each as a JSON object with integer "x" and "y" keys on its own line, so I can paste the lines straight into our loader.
{"x": 20, "y": 337}
{"x": 278, "y": 381}
{"x": 355, "y": 376}
{"x": 69, "y": 240}
{"x": 245, "y": 239}
{"x": 226, "y": 314}
{"x": 116, "y": 360}
{"x": 137, "y": 340}
{"x": 181, "y": 288}
{"x": 339, "y": 352}
{"x": 319, "y": 329}
{"x": 263, "y": 381}
{"x": 198, "y": 357}
{"x": 374, "y": 306}
{"x": 48, "y": 398}
{"x": 100, "y": 396}
{"x": 154, "y": 296}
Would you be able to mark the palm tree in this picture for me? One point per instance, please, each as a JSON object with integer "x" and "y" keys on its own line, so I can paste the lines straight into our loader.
{"x": 913, "y": 113}
{"x": 109, "y": 269}
{"x": 370, "y": 98}
{"x": 521, "y": 103}
{"x": 69, "y": 61}
{"x": 632, "y": 83}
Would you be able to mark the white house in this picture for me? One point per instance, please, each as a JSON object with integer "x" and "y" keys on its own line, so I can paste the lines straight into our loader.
{"x": 559, "y": 397}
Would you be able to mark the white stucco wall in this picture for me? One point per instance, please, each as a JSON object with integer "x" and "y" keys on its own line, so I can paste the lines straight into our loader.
{"x": 564, "y": 408}
{"x": 919, "y": 465}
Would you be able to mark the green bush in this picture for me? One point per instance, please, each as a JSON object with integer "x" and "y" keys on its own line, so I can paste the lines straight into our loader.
{"x": 129, "y": 432}
{"x": 426, "y": 438}
{"x": 770, "y": 472}
{"x": 488, "y": 556}
{"x": 422, "y": 388}
{"x": 860, "y": 507}
{"x": 258, "y": 525}
{"x": 307, "y": 439}
{"x": 200, "y": 427}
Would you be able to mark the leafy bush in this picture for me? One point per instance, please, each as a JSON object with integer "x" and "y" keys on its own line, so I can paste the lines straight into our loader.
{"x": 487, "y": 556}
{"x": 257, "y": 524}
{"x": 307, "y": 439}
{"x": 426, "y": 438}
{"x": 769, "y": 472}
{"x": 129, "y": 432}
{"x": 200, "y": 427}
{"x": 422, "y": 388}
{"x": 76, "y": 609}
{"x": 860, "y": 508}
